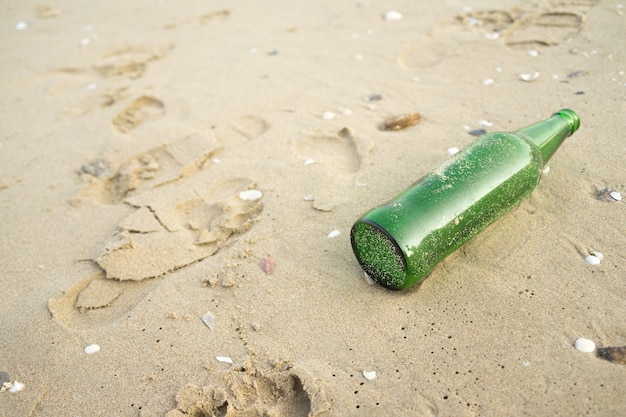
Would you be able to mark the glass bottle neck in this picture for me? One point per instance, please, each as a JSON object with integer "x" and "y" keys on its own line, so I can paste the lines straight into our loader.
{"x": 550, "y": 133}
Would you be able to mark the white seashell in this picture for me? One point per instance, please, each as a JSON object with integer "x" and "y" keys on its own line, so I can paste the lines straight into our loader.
{"x": 224, "y": 359}
{"x": 529, "y": 77}
{"x": 369, "y": 375}
{"x": 533, "y": 52}
{"x": 546, "y": 170}
{"x": 369, "y": 280}
{"x": 592, "y": 260}
{"x": 598, "y": 255}
{"x": 334, "y": 233}
{"x": 250, "y": 195}
{"x": 485, "y": 123}
{"x": 328, "y": 115}
{"x": 92, "y": 349}
{"x": 393, "y": 15}
{"x": 615, "y": 195}
{"x": 17, "y": 387}
{"x": 308, "y": 197}
{"x": 453, "y": 150}
{"x": 584, "y": 345}
{"x": 21, "y": 26}
{"x": 488, "y": 81}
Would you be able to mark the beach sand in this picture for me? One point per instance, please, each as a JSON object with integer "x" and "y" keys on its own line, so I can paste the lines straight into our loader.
{"x": 129, "y": 130}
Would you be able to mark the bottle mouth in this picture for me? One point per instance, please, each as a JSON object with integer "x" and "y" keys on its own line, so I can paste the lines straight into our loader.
{"x": 572, "y": 119}
{"x": 379, "y": 255}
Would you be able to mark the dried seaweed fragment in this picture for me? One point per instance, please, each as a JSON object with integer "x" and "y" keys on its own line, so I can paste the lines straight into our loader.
{"x": 613, "y": 354}
{"x": 401, "y": 122}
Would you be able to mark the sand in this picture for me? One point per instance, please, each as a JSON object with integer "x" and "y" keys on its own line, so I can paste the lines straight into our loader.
{"x": 129, "y": 130}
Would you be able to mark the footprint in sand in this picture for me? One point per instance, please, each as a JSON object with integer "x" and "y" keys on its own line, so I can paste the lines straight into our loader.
{"x": 336, "y": 158}
{"x": 525, "y": 28}
{"x": 129, "y": 61}
{"x": 183, "y": 214}
{"x": 143, "y": 109}
{"x": 255, "y": 389}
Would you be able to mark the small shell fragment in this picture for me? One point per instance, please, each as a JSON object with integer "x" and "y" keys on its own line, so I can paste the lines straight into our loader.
{"x": 613, "y": 354}
{"x": 616, "y": 195}
{"x": 328, "y": 115}
{"x": 393, "y": 15}
{"x": 308, "y": 197}
{"x": 17, "y": 386}
{"x": 21, "y": 26}
{"x": 529, "y": 77}
{"x": 488, "y": 81}
{"x": 224, "y": 359}
{"x": 584, "y": 345}
{"x": 209, "y": 319}
{"x": 401, "y": 122}
{"x": 268, "y": 264}
{"x": 369, "y": 375}
{"x": 453, "y": 150}
{"x": 334, "y": 233}
{"x": 250, "y": 195}
{"x": 92, "y": 349}
{"x": 592, "y": 260}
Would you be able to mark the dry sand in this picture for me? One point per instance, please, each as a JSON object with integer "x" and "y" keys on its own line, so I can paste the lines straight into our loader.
{"x": 129, "y": 128}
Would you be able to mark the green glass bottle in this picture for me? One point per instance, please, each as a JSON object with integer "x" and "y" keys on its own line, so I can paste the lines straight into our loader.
{"x": 400, "y": 242}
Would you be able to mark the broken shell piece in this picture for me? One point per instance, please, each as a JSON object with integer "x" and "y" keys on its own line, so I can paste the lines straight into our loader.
{"x": 224, "y": 359}
{"x": 401, "y": 122}
{"x": 369, "y": 375}
{"x": 17, "y": 386}
{"x": 529, "y": 77}
{"x": 584, "y": 345}
{"x": 250, "y": 195}
{"x": 92, "y": 349}
{"x": 613, "y": 354}
{"x": 393, "y": 15}
{"x": 328, "y": 115}
{"x": 268, "y": 264}
{"x": 616, "y": 195}
{"x": 209, "y": 319}
{"x": 334, "y": 233}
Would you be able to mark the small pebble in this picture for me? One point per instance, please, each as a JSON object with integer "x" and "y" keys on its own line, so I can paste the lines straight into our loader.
{"x": 584, "y": 345}
{"x": 614, "y": 354}
{"x": 592, "y": 260}
{"x": 92, "y": 349}
{"x": 533, "y": 52}
{"x": 21, "y": 26}
{"x": 224, "y": 359}
{"x": 393, "y": 15}
{"x": 328, "y": 115}
{"x": 488, "y": 81}
{"x": 4, "y": 377}
{"x": 309, "y": 162}
{"x": 485, "y": 123}
{"x": 250, "y": 195}
{"x": 492, "y": 35}
{"x": 308, "y": 197}
{"x": 546, "y": 170}
{"x": 453, "y": 150}
{"x": 477, "y": 132}
{"x": 369, "y": 375}
{"x": 334, "y": 233}
{"x": 374, "y": 97}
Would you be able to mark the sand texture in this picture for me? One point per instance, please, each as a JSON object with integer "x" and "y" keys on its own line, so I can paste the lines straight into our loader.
{"x": 178, "y": 181}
